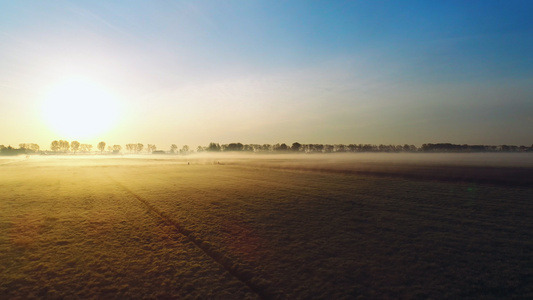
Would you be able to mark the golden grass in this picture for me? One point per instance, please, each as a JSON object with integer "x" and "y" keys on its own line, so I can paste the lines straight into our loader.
{"x": 250, "y": 228}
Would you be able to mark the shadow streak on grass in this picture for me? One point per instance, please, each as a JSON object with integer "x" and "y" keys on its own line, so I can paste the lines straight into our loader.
{"x": 262, "y": 287}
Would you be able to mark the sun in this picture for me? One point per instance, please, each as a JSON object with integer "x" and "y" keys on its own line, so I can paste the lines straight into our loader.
{"x": 80, "y": 109}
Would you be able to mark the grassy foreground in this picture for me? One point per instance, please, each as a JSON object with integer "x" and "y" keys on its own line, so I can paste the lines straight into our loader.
{"x": 233, "y": 228}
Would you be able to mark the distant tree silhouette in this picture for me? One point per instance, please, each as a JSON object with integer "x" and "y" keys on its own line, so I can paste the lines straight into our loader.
{"x": 139, "y": 147}
{"x": 30, "y": 147}
{"x": 254, "y": 147}
{"x": 75, "y": 146}
{"x": 340, "y": 148}
{"x": 86, "y": 147}
{"x": 117, "y": 148}
{"x": 64, "y": 145}
{"x": 278, "y": 147}
{"x": 11, "y": 151}
{"x": 234, "y": 147}
{"x": 173, "y": 148}
{"x": 448, "y": 147}
{"x": 214, "y": 147}
{"x": 101, "y": 146}
{"x": 151, "y": 148}
{"x": 132, "y": 148}
{"x": 54, "y": 146}
{"x": 296, "y": 146}
{"x": 185, "y": 149}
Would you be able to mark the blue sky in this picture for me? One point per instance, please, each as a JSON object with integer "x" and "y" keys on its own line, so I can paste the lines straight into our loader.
{"x": 192, "y": 72}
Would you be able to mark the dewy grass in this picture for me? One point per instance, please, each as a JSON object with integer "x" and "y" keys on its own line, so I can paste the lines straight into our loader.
{"x": 246, "y": 228}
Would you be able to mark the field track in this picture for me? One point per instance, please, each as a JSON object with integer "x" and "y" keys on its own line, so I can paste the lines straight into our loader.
{"x": 263, "y": 290}
{"x": 274, "y": 228}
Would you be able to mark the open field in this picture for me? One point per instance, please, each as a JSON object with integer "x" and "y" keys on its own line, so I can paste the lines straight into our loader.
{"x": 275, "y": 227}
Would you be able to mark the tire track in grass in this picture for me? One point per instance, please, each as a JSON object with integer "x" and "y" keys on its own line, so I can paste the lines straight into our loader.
{"x": 262, "y": 287}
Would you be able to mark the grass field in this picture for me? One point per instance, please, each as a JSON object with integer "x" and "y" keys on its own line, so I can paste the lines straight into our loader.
{"x": 273, "y": 227}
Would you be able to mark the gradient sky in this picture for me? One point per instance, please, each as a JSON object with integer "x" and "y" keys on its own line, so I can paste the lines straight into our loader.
{"x": 192, "y": 72}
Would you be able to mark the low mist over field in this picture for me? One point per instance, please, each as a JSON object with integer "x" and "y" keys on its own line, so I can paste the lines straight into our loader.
{"x": 266, "y": 226}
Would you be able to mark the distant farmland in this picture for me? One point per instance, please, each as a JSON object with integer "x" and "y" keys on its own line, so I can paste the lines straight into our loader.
{"x": 411, "y": 226}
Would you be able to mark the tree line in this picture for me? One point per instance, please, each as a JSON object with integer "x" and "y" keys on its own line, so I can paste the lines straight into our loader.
{"x": 334, "y": 148}
{"x": 63, "y": 146}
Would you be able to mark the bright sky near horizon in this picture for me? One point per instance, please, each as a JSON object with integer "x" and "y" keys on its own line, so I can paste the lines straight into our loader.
{"x": 194, "y": 72}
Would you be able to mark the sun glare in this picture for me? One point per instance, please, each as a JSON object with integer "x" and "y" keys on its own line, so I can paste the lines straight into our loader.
{"x": 80, "y": 109}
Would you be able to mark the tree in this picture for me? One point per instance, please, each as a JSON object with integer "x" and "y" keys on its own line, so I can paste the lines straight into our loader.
{"x": 35, "y": 147}
{"x": 101, "y": 146}
{"x": 117, "y": 148}
{"x": 29, "y": 147}
{"x": 139, "y": 147}
{"x": 185, "y": 149}
{"x": 151, "y": 148}
{"x": 173, "y": 148}
{"x": 296, "y": 146}
{"x": 255, "y": 147}
{"x": 86, "y": 147}
{"x": 75, "y": 146}
{"x": 54, "y": 146}
{"x": 282, "y": 147}
{"x": 131, "y": 147}
{"x": 340, "y": 148}
{"x": 64, "y": 145}
{"x": 213, "y": 147}
{"x": 266, "y": 148}
{"x": 234, "y": 147}
{"x": 11, "y": 151}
